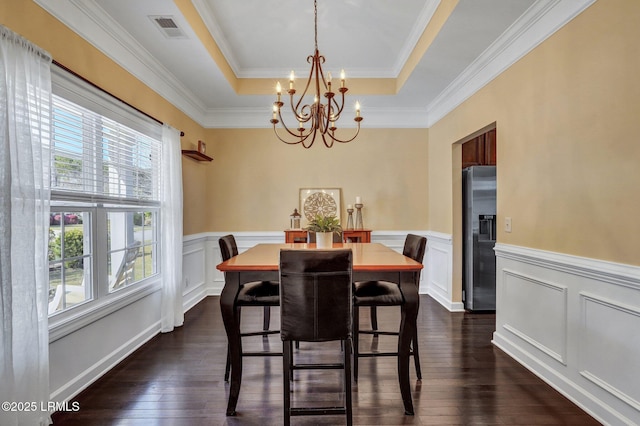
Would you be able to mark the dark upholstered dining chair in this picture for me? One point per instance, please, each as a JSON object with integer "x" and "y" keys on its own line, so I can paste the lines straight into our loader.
{"x": 382, "y": 293}
{"x": 258, "y": 293}
{"x": 315, "y": 306}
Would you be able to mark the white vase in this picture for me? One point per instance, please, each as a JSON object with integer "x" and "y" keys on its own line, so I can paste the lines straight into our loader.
{"x": 324, "y": 240}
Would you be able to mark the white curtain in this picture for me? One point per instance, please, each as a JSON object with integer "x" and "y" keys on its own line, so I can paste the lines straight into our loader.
{"x": 171, "y": 230}
{"x": 25, "y": 102}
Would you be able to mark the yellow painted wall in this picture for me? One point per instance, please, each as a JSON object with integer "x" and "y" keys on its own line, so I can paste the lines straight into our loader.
{"x": 254, "y": 181}
{"x": 568, "y": 119}
{"x": 256, "y": 178}
{"x": 33, "y": 23}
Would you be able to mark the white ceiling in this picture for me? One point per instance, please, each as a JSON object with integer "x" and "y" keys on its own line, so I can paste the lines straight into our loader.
{"x": 269, "y": 38}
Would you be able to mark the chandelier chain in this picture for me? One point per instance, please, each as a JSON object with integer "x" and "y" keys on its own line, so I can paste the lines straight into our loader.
{"x": 315, "y": 22}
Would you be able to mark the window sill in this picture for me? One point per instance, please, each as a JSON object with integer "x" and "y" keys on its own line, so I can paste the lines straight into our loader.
{"x": 65, "y": 323}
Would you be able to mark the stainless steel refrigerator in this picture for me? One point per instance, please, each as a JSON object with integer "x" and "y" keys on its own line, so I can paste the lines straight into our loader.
{"x": 479, "y": 238}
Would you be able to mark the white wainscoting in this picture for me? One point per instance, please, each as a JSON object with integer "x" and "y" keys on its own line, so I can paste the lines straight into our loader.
{"x": 573, "y": 322}
{"x": 194, "y": 278}
{"x": 438, "y": 270}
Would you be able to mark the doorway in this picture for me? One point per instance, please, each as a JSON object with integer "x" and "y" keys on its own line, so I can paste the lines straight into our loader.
{"x": 479, "y": 221}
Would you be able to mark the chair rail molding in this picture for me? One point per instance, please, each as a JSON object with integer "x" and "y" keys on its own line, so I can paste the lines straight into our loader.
{"x": 573, "y": 322}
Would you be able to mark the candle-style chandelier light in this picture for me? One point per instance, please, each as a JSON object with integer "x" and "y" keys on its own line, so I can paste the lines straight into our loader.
{"x": 316, "y": 117}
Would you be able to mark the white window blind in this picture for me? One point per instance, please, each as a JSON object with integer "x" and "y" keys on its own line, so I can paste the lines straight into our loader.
{"x": 97, "y": 157}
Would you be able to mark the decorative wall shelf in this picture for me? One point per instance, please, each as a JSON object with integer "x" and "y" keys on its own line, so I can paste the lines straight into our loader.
{"x": 196, "y": 155}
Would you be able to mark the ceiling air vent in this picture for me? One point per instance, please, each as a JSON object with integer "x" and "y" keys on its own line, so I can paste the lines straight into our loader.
{"x": 168, "y": 26}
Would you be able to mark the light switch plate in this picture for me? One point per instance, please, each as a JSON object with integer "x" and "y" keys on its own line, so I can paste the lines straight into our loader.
{"x": 507, "y": 224}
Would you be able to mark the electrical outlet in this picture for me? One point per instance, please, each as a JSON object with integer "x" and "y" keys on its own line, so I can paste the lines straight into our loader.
{"x": 507, "y": 224}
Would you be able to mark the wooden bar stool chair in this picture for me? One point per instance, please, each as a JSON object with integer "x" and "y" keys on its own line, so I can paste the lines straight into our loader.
{"x": 382, "y": 293}
{"x": 315, "y": 306}
{"x": 258, "y": 293}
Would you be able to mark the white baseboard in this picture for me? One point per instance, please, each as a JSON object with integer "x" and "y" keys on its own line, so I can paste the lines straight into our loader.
{"x": 573, "y": 322}
{"x": 448, "y": 304}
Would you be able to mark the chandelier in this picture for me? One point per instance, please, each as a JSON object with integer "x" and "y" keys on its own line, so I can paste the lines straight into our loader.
{"x": 318, "y": 117}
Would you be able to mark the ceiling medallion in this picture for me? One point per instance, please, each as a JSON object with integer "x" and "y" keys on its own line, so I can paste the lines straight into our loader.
{"x": 319, "y": 118}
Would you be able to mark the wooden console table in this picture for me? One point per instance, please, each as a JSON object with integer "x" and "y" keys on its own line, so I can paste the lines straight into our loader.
{"x": 357, "y": 235}
{"x": 349, "y": 235}
{"x": 295, "y": 236}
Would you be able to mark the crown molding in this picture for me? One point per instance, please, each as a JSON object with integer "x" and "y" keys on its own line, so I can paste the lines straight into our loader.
{"x": 87, "y": 19}
{"x": 538, "y": 23}
{"x": 90, "y": 21}
{"x": 394, "y": 118}
{"x": 422, "y": 22}
{"x": 210, "y": 21}
{"x": 257, "y": 118}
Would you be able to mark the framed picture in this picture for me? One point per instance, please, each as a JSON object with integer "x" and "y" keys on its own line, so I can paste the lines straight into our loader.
{"x": 202, "y": 147}
{"x": 322, "y": 201}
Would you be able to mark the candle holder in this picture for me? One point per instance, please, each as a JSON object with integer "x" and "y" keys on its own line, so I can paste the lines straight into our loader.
{"x": 359, "y": 224}
{"x": 350, "y": 219}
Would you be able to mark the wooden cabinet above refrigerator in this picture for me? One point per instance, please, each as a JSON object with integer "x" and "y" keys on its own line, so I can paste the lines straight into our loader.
{"x": 480, "y": 151}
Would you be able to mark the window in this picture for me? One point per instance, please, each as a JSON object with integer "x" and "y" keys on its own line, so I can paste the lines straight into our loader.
{"x": 105, "y": 196}
{"x": 132, "y": 246}
{"x": 70, "y": 258}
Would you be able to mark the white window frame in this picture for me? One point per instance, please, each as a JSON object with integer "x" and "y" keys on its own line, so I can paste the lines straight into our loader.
{"x": 105, "y": 289}
{"x": 103, "y": 302}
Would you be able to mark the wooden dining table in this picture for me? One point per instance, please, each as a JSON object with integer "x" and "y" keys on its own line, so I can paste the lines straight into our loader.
{"x": 371, "y": 261}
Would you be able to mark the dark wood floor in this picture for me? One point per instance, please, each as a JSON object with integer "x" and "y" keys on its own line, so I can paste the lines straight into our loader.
{"x": 177, "y": 379}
